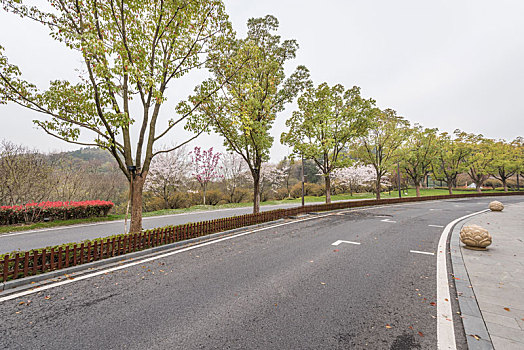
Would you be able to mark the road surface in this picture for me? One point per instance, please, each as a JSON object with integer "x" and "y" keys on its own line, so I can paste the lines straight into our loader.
{"x": 283, "y": 287}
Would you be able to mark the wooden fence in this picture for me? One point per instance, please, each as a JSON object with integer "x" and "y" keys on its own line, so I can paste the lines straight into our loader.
{"x": 23, "y": 264}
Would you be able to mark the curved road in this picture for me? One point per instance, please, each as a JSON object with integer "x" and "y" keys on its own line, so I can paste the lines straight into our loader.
{"x": 282, "y": 287}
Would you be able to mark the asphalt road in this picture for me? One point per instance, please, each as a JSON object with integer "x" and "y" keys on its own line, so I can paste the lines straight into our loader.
{"x": 27, "y": 240}
{"x": 285, "y": 287}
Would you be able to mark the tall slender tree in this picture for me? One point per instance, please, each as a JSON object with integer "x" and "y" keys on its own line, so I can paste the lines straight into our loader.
{"x": 327, "y": 121}
{"x": 380, "y": 146}
{"x": 451, "y": 152}
{"x": 418, "y": 153}
{"x": 480, "y": 159}
{"x": 505, "y": 161}
{"x": 245, "y": 109}
{"x": 128, "y": 49}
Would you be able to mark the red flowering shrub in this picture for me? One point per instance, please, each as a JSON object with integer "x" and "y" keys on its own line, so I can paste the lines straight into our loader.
{"x": 34, "y": 212}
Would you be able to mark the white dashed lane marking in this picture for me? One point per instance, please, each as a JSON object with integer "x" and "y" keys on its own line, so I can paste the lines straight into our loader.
{"x": 348, "y": 242}
{"x": 419, "y": 252}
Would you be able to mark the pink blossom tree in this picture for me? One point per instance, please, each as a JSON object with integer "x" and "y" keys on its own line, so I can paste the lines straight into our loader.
{"x": 205, "y": 167}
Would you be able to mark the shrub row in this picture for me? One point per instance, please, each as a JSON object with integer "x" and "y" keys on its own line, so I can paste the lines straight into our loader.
{"x": 44, "y": 211}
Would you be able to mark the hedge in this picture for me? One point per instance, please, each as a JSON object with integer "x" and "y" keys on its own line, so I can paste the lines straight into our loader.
{"x": 48, "y": 211}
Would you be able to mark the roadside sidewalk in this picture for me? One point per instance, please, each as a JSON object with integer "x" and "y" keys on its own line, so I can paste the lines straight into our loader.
{"x": 497, "y": 279}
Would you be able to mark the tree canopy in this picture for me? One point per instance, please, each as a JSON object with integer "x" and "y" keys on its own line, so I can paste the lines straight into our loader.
{"x": 129, "y": 50}
{"x": 244, "y": 110}
{"x": 327, "y": 121}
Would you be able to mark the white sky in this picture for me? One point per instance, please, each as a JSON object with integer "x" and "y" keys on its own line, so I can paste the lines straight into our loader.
{"x": 445, "y": 64}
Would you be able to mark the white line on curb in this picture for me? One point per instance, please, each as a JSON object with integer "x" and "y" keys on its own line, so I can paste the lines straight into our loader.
{"x": 445, "y": 328}
{"x": 348, "y": 242}
{"x": 419, "y": 252}
{"x": 439, "y": 226}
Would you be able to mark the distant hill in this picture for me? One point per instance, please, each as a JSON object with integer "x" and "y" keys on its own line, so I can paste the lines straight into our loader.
{"x": 97, "y": 159}
{"x": 91, "y": 153}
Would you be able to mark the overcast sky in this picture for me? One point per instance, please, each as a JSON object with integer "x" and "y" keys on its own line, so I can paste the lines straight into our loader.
{"x": 445, "y": 64}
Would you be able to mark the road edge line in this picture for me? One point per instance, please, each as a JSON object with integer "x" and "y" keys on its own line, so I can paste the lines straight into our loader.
{"x": 475, "y": 329}
{"x": 445, "y": 327}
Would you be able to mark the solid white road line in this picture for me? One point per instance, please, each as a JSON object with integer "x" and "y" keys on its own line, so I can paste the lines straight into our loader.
{"x": 439, "y": 226}
{"x": 390, "y": 221}
{"x": 348, "y": 242}
{"x": 419, "y": 252}
{"x": 445, "y": 328}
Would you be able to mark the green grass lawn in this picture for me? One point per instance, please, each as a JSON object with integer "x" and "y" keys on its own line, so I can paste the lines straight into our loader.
{"x": 308, "y": 199}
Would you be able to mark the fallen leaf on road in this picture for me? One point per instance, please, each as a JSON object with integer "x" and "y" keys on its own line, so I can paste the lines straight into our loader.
{"x": 21, "y": 303}
{"x": 47, "y": 297}
{"x": 410, "y": 327}
{"x": 475, "y": 336}
{"x": 421, "y": 334}
{"x": 388, "y": 326}
{"x": 322, "y": 283}
{"x": 446, "y": 299}
{"x": 432, "y": 304}
{"x": 507, "y": 309}
{"x": 335, "y": 250}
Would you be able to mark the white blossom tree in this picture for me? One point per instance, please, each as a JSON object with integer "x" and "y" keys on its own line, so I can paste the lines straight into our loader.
{"x": 272, "y": 178}
{"x": 235, "y": 174}
{"x": 167, "y": 173}
{"x": 354, "y": 177}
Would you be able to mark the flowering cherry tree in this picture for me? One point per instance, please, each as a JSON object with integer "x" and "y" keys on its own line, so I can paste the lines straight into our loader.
{"x": 235, "y": 173}
{"x": 205, "y": 167}
{"x": 167, "y": 174}
{"x": 351, "y": 178}
{"x": 272, "y": 177}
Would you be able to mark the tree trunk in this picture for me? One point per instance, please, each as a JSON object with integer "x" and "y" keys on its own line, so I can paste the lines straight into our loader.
{"x": 256, "y": 193}
{"x": 417, "y": 188}
{"x": 505, "y": 185}
{"x": 327, "y": 181}
{"x": 204, "y": 192}
{"x": 377, "y": 187}
{"x": 450, "y": 187}
{"x": 477, "y": 187}
{"x": 136, "y": 203}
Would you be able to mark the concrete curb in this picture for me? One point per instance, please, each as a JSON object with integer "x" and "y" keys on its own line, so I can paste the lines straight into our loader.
{"x": 54, "y": 276}
{"x": 472, "y": 319}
